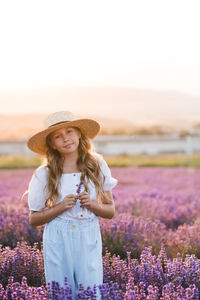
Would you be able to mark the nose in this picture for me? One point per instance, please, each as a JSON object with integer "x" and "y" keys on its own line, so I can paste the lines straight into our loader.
{"x": 65, "y": 138}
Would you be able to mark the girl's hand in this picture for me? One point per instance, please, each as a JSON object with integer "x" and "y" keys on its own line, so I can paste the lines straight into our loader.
{"x": 85, "y": 200}
{"x": 69, "y": 201}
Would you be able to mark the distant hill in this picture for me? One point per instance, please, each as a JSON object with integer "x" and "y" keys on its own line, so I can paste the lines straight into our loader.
{"x": 119, "y": 110}
{"x": 21, "y": 127}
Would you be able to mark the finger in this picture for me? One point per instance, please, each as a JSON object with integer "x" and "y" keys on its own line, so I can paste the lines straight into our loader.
{"x": 86, "y": 202}
{"x": 84, "y": 205}
{"x": 70, "y": 202}
{"x": 70, "y": 197}
{"x": 83, "y": 193}
{"x": 84, "y": 198}
{"x": 83, "y": 201}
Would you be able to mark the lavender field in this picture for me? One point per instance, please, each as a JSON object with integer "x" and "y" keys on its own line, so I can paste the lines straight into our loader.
{"x": 151, "y": 247}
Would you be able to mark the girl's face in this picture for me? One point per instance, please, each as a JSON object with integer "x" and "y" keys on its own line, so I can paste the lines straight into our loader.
{"x": 65, "y": 140}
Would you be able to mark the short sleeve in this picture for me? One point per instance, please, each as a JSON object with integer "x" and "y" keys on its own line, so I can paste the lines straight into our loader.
{"x": 37, "y": 191}
{"x": 110, "y": 182}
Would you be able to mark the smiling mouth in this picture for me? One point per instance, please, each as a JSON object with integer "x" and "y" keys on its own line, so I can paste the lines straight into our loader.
{"x": 67, "y": 146}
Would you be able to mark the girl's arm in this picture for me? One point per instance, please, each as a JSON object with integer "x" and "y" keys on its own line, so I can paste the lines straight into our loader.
{"x": 105, "y": 209}
{"x": 37, "y": 218}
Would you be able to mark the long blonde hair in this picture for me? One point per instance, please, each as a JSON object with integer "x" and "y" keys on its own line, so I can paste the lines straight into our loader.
{"x": 88, "y": 163}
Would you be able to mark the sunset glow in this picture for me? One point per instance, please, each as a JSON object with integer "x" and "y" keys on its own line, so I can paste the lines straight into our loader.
{"x": 143, "y": 44}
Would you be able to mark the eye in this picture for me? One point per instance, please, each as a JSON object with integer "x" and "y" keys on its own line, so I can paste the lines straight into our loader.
{"x": 56, "y": 136}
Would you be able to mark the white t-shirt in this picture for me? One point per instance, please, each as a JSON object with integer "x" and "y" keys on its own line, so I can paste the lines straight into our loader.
{"x": 68, "y": 185}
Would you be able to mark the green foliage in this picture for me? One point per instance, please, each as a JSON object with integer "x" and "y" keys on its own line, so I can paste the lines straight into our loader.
{"x": 14, "y": 162}
{"x": 139, "y": 160}
{"x": 144, "y": 160}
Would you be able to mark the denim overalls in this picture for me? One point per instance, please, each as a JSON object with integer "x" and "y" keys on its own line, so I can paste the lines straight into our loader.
{"x": 73, "y": 248}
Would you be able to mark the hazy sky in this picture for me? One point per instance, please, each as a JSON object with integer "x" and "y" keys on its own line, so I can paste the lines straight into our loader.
{"x": 143, "y": 44}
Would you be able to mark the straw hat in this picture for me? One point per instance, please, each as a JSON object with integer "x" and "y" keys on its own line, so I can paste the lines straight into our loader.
{"x": 57, "y": 120}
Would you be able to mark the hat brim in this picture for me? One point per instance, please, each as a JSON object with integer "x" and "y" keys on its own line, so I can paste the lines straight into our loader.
{"x": 37, "y": 143}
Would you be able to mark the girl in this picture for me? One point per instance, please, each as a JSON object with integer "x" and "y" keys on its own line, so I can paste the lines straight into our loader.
{"x": 68, "y": 193}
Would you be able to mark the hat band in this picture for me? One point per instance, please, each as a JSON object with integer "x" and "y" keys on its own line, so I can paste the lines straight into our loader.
{"x": 58, "y": 123}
